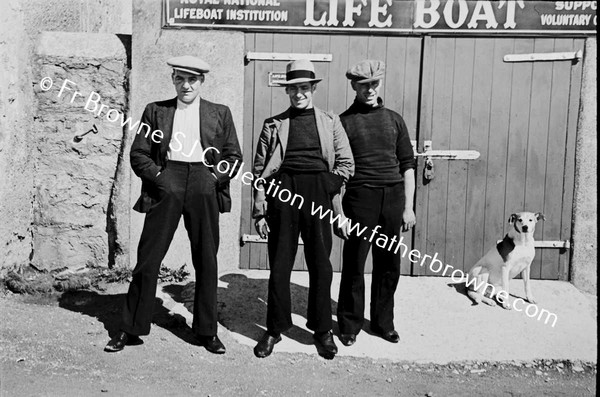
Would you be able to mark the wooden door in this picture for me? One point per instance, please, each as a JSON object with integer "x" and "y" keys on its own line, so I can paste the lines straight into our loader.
{"x": 522, "y": 118}
{"x": 400, "y": 93}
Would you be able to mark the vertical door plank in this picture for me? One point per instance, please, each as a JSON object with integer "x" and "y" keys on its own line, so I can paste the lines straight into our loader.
{"x": 410, "y": 83}
{"x": 518, "y": 132}
{"x": 398, "y": 86}
{"x": 569, "y": 173}
{"x": 246, "y": 223}
{"x": 535, "y": 171}
{"x": 479, "y": 132}
{"x": 357, "y": 52}
{"x": 320, "y": 45}
{"x": 555, "y": 161}
{"x": 395, "y": 72}
{"x": 337, "y": 84}
{"x": 377, "y": 50}
{"x": 497, "y": 152}
{"x": 279, "y": 99}
{"x": 441, "y": 121}
{"x": 424, "y": 125}
{"x": 410, "y": 80}
{"x": 262, "y": 110}
{"x": 459, "y": 122}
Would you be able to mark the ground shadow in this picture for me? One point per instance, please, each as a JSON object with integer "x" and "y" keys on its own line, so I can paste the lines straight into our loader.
{"x": 461, "y": 288}
{"x": 107, "y": 309}
{"x": 242, "y": 305}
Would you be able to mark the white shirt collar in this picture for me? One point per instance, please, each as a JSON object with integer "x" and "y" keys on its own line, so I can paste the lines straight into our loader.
{"x": 183, "y": 106}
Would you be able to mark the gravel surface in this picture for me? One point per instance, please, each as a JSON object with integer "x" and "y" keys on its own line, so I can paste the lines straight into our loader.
{"x": 52, "y": 346}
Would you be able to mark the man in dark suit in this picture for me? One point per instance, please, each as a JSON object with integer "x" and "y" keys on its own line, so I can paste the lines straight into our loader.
{"x": 175, "y": 153}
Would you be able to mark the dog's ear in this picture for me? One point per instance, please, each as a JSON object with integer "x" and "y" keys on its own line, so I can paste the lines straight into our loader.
{"x": 513, "y": 218}
{"x": 539, "y": 215}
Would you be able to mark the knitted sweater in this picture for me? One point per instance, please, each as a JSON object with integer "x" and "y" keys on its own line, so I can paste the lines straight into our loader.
{"x": 380, "y": 144}
{"x": 303, "y": 151}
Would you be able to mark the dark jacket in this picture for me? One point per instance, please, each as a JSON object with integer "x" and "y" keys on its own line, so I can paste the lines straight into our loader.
{"x": 149, "y": 152}
{"x": 272, "y": 144}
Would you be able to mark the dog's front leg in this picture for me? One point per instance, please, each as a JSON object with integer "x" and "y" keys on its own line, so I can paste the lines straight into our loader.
{"x": 525, "y": 275}
{"x": 505, "y": 287}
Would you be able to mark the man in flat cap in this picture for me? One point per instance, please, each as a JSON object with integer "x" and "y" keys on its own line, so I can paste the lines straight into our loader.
{"x": 305, "y": 151}
{"x": 380, "y": 195}
{"x": 176, "y": 161}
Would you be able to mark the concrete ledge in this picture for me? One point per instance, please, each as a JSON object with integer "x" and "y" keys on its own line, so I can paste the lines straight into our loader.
{"x": 81, "y": 45}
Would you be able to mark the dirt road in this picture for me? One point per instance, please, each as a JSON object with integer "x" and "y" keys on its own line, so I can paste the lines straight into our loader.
{"x": 53, "y": 347}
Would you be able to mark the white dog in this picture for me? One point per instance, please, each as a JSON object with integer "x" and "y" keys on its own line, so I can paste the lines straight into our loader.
{"x": 511, "y": 256}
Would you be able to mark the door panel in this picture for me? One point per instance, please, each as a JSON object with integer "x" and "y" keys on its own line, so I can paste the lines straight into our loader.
{"x": 400, "y": 93}
{"x": 521, "y": 118}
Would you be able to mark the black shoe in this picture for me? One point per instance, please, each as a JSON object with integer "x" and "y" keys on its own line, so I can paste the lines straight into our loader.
{"x": 348, "y": 339}
{"x": 324, "y": 342}
{"x": 120, "y": 340}
{"x": 391, "y": 336}
{"x": 212, "y": 344}
{"x": 265, "y": 345}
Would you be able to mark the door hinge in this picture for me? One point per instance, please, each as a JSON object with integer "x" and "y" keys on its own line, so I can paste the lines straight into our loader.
{"x": 549, "y": 244}
{"x": 547, "y": 56}
{"x": 286, "y": 56}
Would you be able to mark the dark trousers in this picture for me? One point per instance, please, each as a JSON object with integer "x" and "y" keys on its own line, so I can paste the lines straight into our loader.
{"x": 186, "y": 189}
{"x": 370, "y": 207}
{"x": 286, "y": 222}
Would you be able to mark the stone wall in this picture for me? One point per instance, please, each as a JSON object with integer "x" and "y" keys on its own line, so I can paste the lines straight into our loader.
{"x": 584, "y": 263}
{"x": 74, "y": 207}
{"x": 23, "y": 132}
{"x": 16, "y": 160}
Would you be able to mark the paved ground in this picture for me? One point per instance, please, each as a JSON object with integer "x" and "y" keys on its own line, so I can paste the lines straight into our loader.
{"x": 436, "y": 321}
{"x": 52, "y": 346}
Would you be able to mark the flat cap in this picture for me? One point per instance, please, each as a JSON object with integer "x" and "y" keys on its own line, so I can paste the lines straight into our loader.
{"x": 366, "y": 71}
{"x": 189, "y": 64}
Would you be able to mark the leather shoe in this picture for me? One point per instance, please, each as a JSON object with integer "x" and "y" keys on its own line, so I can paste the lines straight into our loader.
{"x": 324, "y": 341}
{"x": 212, "y": 343}
{"x": 120, "y": 340}
{"x": 265, "y": 345}
{"x": 391, "y": 336}
{"x": 348, "y": 339}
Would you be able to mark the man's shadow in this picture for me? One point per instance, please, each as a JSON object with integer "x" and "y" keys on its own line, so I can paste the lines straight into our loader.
{"x": 242, "y": 306}
{"x": 108, "y": 308}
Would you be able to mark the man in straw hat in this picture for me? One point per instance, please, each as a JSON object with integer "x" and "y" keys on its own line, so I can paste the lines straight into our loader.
{"x": 303, "y": 151}
{"x": 380, "y": 195}
{"x": 175, "y": 159}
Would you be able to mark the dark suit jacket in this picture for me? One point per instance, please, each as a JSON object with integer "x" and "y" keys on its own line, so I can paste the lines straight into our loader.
{"x": 216, "y": 130}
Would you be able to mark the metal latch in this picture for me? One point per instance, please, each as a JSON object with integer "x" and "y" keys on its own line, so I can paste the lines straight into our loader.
{"x": 255, "y": 238}
{"x": 445, "y": 154}
{"x": 428, "y": 170}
